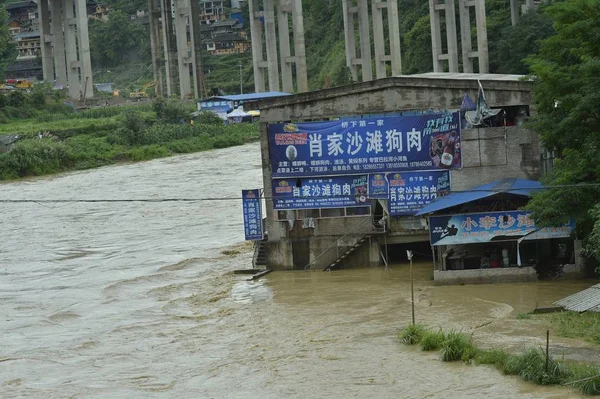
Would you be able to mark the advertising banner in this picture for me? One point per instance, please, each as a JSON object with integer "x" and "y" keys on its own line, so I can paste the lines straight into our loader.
{"x": 367, "y": 145}
{"x": 252, "y": 209}
{"x": 409, "y": 192}
{"x": 492, "y": 226}
{"x": 314, "y": 193}
{"x": 379, "y": 187}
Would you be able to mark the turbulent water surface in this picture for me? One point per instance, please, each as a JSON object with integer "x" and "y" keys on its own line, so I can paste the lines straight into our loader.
{"x": 136, "y": 300}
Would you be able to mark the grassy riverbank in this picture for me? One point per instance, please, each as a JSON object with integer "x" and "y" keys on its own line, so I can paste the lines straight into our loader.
{"x": 570, "y": 324}
{"x": 102, "y": 136}
{"x": 530, "y": 365}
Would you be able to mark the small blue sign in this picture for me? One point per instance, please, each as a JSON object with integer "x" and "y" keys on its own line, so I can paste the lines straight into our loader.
{"x": 409, "y": 192}
{"x": 315, "y": 193}
{"x": 492, "y": 226}
{"x": 253, "y": 226}
{"x": 366, "y": 145}
{"x": 379, "y": 186}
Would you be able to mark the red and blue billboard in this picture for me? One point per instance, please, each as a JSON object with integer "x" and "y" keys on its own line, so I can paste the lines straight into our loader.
{"x": 365, "y": 145}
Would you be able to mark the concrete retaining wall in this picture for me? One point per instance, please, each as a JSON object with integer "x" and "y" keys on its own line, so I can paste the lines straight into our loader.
{"x": 485, "y": 276}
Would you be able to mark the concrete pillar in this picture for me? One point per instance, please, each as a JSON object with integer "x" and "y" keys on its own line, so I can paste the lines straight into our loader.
{"x": 435, "y": 8}
{"x": 258, "y": 59}
{"x": 365, "y": 40}
{"x": 285, "y": 8}
{"x": 395, "y": 50}
{"x": 529, "y": 5}
{"x": 482, "y": 41}
{"x": 46, "y": 41}
{"x": 299, "y": 46}
{"x": 85, "y": 58}
{"x": 450, "y": 15}
{"x": 465, "y": 35}
{"x": 271, "y": 40}
{"x": 71, "y": 49}
{"x": 170, "y": 47}
{"x": 153, "y": 20}
{"x": 349, "y": 11}
{"x": 58, "y": 39}
{"x": 196, "y": 48}
{"x": 283, "y": 12}
{"x": 436, "y": 36}
{"x": 183, "y": 58}
{"x": 514, "y": 12}
{"x": 394, "y": 57}
{"x": 380, "y": 58}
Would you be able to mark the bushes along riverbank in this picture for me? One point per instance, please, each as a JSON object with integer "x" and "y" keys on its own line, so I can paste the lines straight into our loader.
{"x": 102, "y": 136}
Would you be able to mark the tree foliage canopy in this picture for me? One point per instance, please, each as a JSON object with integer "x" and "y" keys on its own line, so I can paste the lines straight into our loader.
{"x": 8, "y": 52}
{"x": 118, "y": 39}
{"x": 567, "y": 99}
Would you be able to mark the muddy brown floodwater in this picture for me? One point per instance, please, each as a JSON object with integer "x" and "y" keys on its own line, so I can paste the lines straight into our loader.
{"x": 136, "y": 300}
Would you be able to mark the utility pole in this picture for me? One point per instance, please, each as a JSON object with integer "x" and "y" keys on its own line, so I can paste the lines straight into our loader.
{"x": 241, "y": 80}
{"x": 409, "y": 255}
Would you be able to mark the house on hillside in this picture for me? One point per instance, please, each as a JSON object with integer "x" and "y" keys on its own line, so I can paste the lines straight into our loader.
{"x": 227, "y": 44}
{"x": 23, "y": 11}
{"x": 28, "y": 45}
{"x": 14, "y": 27}
{"x": 211, "y": 11}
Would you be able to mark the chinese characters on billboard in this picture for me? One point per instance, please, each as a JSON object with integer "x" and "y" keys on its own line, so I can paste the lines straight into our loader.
{"x": 407, "y": 192}
{"x": 486, "y": 227}
{"x": 252, "y": 210}
{"x": 369, "y": 145}
{"x": 411, "y": 191}
{"x": 326, "y": 192}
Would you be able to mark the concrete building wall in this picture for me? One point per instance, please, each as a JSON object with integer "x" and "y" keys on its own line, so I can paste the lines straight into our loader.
{"x": 496, "y": 153}
{"x": 488, "y": 154}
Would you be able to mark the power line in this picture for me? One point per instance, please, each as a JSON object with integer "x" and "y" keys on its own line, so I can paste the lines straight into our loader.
{"x": 214, "y": 199}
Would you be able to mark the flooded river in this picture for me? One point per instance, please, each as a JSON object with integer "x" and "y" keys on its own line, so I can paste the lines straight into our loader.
{"x": 136, "y": 300}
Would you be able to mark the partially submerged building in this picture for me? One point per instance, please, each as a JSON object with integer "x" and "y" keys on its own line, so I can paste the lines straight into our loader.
{"x": 383, "y": 175}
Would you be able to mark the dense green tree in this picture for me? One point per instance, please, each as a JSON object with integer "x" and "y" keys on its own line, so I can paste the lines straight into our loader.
{"x": 567, "y": 99}
{"x": 8, "y": 52}
{"x": 117, "y": 40}
{"x": 507, "y": 53}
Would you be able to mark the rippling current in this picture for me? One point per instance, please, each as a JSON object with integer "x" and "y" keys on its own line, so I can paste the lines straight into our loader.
{"x": 137, "y": 300}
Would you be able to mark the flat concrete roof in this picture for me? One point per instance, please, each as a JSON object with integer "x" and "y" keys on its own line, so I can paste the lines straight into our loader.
{"x": 431, "y": 80}
{"x": 469, "y": 76}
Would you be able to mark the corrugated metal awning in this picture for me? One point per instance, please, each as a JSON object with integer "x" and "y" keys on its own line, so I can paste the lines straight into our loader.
{"x": 584, "y": 301}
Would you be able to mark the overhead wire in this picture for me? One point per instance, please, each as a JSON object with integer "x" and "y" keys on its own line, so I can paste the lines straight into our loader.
{"x": 236, "y": 198}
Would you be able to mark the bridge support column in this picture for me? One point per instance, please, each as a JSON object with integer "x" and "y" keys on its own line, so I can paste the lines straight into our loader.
{"x": 258, "y": 55}
{"x": 381, "y": 57}
{"x": 58, "y": 40}
{"x": 85, "y": 58}
{"x": 155, "y": 46}
{"x": 284, "y": 10}
{"x": 436, "y": 7}
{"x": 481, "y": 54}
{"x": 271, "y": 41}
{"x": 46, "y": 41}
{"x": 183, "y": 53}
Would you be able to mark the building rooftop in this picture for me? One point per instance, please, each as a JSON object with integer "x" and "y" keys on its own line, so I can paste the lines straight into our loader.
{"x": 249, "y": 97}
{"x": 225, "y": 22}
{"x": 230, "y": 37}
{"x": 21, "y": 4}
{"x": 27, "y": 35}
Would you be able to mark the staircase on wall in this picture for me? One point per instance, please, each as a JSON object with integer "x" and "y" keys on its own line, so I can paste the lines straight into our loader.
{"x": 259, "y": 260}
{"x": 346, "y": 245}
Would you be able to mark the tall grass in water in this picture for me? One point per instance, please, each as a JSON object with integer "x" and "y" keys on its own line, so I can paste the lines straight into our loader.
{"x": 529, "y": 365}
{"x": 411, "y": 335}
{"x": 433, "y": 340}
{"x": 457, "y": 346}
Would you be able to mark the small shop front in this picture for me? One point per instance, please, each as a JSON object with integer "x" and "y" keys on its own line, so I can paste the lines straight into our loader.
{"x": 477, "y": 237}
